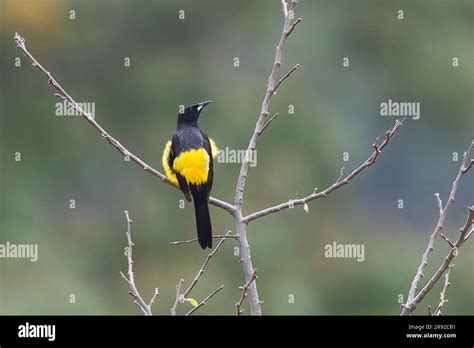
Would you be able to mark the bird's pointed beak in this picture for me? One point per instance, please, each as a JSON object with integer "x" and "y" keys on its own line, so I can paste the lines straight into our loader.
{"x": 204, "y": 103}
{"x": 201, "y": 105}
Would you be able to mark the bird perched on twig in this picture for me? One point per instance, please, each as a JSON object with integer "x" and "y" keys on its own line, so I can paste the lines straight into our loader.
{"x": 188, "y": 163}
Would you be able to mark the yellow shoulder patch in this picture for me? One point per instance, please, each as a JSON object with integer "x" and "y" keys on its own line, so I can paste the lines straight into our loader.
{"x": 193, "y": 165}
{"x": 214, "y": 148}
{"x": 168, "y": 171}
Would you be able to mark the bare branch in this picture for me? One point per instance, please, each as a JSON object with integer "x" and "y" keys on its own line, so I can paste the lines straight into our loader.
{"x": 447, "y": 262}
{"x": 245, "y": 288}
{"x": 440, "y": 203}
{"x": 155, "y": 295}
{"x": 273, "y": 83}
{"x": 178, "y": 297}
{"x": 293, "y": 26}
{"x": 468, "y": 166}
{"x": 181, "y": 297}
{"x": 203, "y": 267}
{"x": 341, "y": 175}
{"x": 217, "y": 236}
{"x": 442, "y": 295}
{"x": 288, "y": 74}
{"x": 451, "y": 244}
{"x": 268, "y": 122}
{"x": 336, "y": 185}
{"x": 411, "y": 300}
{"x": 285, "y": 8}
{"x": 469, "y": 234}
{"x": 411, "y": 306}
{"x": 146, "y": 308}
{"x": 465, "y": 228}
{"x": 203, "y": 302}
{"x": 21, "y": 44}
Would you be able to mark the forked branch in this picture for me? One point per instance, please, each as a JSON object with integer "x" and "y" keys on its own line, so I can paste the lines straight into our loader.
{"x": 414, "y": 299}
{"x": 138, "y": 300}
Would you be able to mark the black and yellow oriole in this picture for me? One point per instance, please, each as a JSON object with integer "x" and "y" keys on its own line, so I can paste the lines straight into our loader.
{"x": 188, "y": 163}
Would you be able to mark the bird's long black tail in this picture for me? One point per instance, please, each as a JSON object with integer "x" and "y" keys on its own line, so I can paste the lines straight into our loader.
{"x": 203, "y": 219}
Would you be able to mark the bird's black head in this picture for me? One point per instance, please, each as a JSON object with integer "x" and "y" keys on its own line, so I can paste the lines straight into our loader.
{"x": 191, "y": 113}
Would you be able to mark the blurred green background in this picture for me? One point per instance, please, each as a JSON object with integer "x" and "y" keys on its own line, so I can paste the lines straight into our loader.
{"x": 175, "y": 62}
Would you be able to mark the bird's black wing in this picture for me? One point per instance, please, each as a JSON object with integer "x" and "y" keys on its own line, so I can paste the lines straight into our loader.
{"x": 175, "y": 151}
{"x": 210, "y": 176}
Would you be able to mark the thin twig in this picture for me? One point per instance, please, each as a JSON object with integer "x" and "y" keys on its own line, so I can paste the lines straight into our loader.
{"x": 203, "y": 267}
{"x": 413, "y": 299}
{"x": 155, "y": 295}
{"x": 337, "y": 184}
{"x": 245, "y": 288}
{"x": 268, "y": 122}
{"x": 146, "y": 308}
{"x": 21, "y": 44}
{"x": 440, "y": 203}
{"x": 341, "y": 175}
{"x": 203, "y": 302}
{"x": 468, "y": 166}
{"x": 442, "y": 294}
{"x": 288, "y": 74}
{"x": 178, "y": 297}
{"x": 181, "y": 297}
{"x": 451, "y": 244}
{"x": 293, "y": 25}
{"x": 217, "y": 236}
